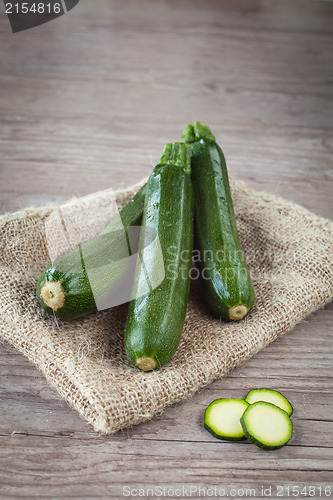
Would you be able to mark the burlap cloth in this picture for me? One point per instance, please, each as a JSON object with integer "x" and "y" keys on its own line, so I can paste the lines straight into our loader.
{"x": 289, "y": 252}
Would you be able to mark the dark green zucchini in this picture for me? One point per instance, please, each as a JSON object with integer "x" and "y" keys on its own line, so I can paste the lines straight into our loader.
{"x": 225, "y": 277}
{"x": 69, "y": 286}
{"x": 155, "y": 319}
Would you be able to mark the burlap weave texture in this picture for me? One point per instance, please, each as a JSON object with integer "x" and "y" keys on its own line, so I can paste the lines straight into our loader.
{"x": 289, "y": 252}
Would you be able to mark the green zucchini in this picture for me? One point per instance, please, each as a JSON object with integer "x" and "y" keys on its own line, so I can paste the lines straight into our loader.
{"x": 225, "y": 277}
{"x": 68, "y": 287}
{"x": 222, "y": 418}
{"x": 155, "y": 319}
{"x": 269, "y": 396}
{"x": 266, "y": 425}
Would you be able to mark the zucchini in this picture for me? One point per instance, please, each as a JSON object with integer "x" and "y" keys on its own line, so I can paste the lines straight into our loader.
{"x": 222, "y": 418}
{"x": 266, "y": 425}
{"x": 69, "y": 286}
{"x": 225, "y": 277}
{"x": 155, "y": 319}
{"x": 269, "y": 396}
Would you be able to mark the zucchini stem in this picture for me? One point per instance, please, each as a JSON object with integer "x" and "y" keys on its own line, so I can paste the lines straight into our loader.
{"x": 177, "y": 154}
{"x": 196, "y": 132}
{"x": 237, "y": 313}
{"x": 146, "y": 364}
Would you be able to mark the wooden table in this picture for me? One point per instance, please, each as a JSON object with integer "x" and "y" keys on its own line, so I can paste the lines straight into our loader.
{"x": 87, "y": 101}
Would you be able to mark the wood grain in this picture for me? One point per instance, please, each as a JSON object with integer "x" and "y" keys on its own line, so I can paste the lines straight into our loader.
{"x": 88, "y": 101}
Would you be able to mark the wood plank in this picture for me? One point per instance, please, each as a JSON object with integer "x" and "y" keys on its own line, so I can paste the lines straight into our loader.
{"x": 276, "y": 104}
{"x": 83, "y": 470}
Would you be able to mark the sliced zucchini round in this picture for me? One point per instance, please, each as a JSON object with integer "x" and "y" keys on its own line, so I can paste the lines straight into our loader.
{"x": 222, "y": 418}
{"x": 270, "y": 396}
{"x": 266, "y": 425}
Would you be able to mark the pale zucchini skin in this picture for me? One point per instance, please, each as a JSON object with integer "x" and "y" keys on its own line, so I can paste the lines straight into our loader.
{"x": 219, "y": 425}
{"x": 270, "y": 396}
{"x": 227, "y": 283}
{"x": 155, "y": 320}
{"x": 68, "y": 277}
{"x": 259, "y": 428}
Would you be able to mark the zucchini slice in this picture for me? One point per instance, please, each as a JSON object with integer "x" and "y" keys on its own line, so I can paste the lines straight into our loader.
{"x": 266, "y": 425}
{"x": 222, "y": 418}
{"x": 270, "y": 396}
